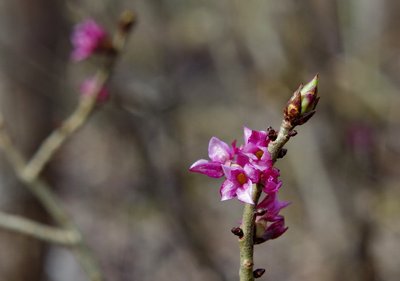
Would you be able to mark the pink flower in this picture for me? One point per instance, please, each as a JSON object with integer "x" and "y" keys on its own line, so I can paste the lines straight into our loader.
{"x": 89, "y": 86}
{"x": 87, "y": 38}
{"x": 255, "y": 150}
{"x": 259, "y": 138}
{"x": 237, "y": 183}
{"x": 265, "y": 231}
{"x": 220, "y": 154}
{"x": 270, "y": 180}
{"x": 270, "y": 225}
{"x": 272, "y": 206}
{"x": 242, "y": 167}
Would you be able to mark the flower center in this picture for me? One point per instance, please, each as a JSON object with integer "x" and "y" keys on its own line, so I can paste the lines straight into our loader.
{"x": 259, "y": 154}
{"x": 241, "y": 178}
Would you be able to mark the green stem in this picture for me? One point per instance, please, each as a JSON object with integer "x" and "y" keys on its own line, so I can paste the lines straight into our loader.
{"x": 246, "y": 243}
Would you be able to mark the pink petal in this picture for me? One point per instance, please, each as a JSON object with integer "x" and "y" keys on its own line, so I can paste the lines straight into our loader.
{"x": 227, "y": 171}
{"x": 208, "y": 168}
{"x": 247, "y": 133}
{"x": 227, "y": 190}
{"x": 218, "y": 150}
{"x": 272, "y": 185}
{"x": 252, "y": 173}
{"x": 245, "y": 193}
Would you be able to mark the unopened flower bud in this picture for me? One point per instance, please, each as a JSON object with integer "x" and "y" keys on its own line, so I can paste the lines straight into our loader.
{"x": 301, "y": 106}
{"x": 258, "y": 272}
{"x": 309, "y": 96}
{"x": 127, "y": 20}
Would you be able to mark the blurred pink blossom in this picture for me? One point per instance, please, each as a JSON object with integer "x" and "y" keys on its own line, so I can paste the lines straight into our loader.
{"x": 87, "y": 38}
{"x": 89, "y": 86}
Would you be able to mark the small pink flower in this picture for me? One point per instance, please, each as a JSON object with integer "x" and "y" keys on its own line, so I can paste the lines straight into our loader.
{"x": 259, "y": 138}
{"x": 270, "y": 180}
{"x": 270, "y": 225}
{"x": 266, "y": 231}
{"x": 220, "y": 154}
{"x": 89, "y": 86}
{"x": 87, "y": 38}
{"x": 237, "y": 183}
{"x": 272, "y": 206}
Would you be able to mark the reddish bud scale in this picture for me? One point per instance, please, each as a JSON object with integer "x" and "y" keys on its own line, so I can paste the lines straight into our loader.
{"x": 258, "y": 272}
{"x": 301, "y": 106}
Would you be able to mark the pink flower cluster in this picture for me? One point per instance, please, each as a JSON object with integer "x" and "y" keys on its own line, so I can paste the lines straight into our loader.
{"x": 87, "y": 38}
{"x": 244, "y": 167}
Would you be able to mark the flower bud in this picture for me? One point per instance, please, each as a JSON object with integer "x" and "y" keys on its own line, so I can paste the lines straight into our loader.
{"x": 127, "y": 20}
{"x": 301, "y": 106}
{"x": 309, "y": 96}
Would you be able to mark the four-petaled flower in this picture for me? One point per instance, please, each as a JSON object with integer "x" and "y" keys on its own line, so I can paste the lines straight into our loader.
{"x": 237, "y": 183}
{"x": 220, "y": 154}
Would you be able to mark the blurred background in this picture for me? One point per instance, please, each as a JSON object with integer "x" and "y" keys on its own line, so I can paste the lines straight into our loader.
{"x": 192, "y": 70}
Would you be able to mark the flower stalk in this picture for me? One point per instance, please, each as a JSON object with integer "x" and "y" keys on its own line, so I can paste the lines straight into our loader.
{"x": 298, "y": 111}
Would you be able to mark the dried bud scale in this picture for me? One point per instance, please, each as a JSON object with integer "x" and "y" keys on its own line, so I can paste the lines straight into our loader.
{"x": 237, "y": 231}
{"x": 258, "y": 272}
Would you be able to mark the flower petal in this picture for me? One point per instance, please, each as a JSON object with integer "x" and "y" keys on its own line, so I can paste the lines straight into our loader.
{"x": 247, "y": 134}
{"x": 218, "y": 150}
{"x": 208, "y": 168}
{"x": 252, "y": 173}
{"x": 227, "y": 190}
{"x": 245, "y": 193}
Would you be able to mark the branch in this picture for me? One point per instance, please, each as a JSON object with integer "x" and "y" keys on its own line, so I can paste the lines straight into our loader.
{"x": 85, "y": 107}
{"x": 246, "y": 243}
{"x": 59, "y": 136}
{"x": 38, "y": 230}
{"x": 28, "y": 172}
{"x": 42, "y": 191}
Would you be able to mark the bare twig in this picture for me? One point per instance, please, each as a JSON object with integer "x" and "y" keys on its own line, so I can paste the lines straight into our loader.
{"x": 85, "y": 107}
{"x": 40, "y": 231}
{"x": 60, "y": 135}
{"x": 28, "y": 172}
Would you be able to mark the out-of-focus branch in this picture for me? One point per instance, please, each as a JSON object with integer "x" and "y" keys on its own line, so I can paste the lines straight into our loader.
{"x": 37, "y": 230}
{"x": 28, "y": 172}
{"x": 50, "y": 202}
{"x": 85, "y": 107}
{"x": 60, "y": 135}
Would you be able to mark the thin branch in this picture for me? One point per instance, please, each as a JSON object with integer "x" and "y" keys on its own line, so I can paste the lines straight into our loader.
{"x": 85, "y": 107}
{"x": 42, "y": 191}
{"x": 59, "y": 136}
{"x": 246, "y": 243}
{"x": 40, "y": 231}
{"x": 28, "y": 172}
